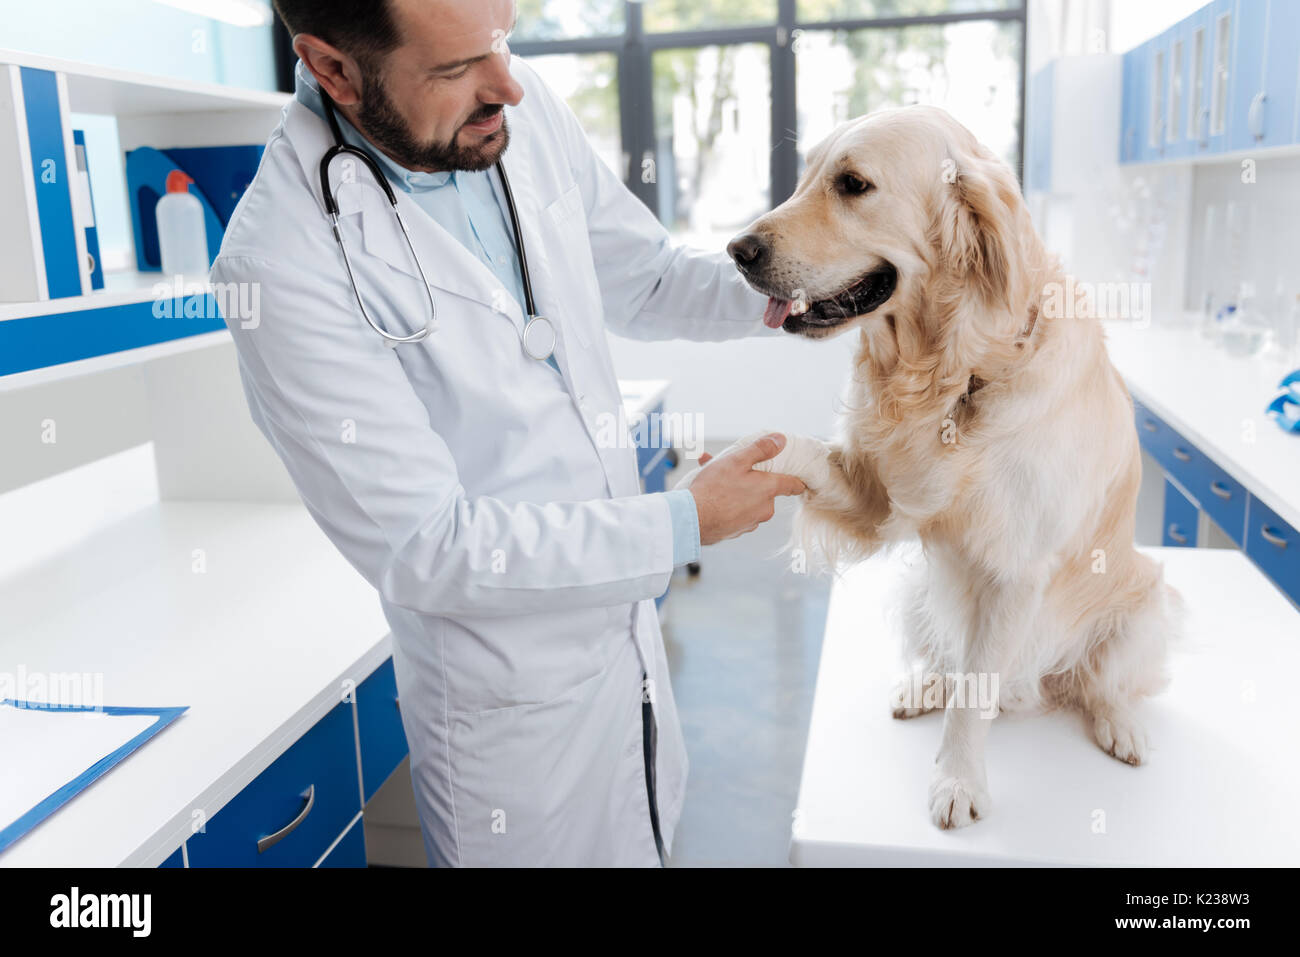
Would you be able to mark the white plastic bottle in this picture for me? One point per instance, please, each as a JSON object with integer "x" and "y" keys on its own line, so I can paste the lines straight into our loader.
{"x": 182, "y": 233}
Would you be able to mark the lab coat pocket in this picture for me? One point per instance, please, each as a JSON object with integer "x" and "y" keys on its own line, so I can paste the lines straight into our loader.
{"x": 522, "y": 777}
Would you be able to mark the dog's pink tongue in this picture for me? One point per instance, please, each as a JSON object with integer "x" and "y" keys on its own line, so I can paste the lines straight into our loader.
{"x": 776, "y": 312}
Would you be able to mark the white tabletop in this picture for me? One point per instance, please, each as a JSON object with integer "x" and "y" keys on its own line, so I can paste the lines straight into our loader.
{"x": 1217, "y": 403}
{"x": 1219, "y": 787}
{"x": 244, "y": 612}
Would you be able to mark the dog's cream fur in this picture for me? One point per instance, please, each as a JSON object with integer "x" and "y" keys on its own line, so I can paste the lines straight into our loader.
{"x": 1022, "y": 491}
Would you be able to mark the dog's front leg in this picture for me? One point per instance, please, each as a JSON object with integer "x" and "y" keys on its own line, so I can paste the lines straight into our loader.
{"x": 1001, "y": 612}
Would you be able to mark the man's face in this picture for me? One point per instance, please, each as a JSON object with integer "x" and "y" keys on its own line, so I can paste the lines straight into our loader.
{"x": 435, "y": 102}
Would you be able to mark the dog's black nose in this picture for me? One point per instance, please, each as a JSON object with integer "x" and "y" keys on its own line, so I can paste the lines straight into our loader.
{"x": 748, "y": 251}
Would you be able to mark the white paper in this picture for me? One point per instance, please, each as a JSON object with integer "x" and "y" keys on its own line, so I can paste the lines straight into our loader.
{"x": 40, "y": 751}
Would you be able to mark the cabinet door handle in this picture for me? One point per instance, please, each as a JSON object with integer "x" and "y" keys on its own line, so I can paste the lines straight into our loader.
{"x": 1176, "y": 535}
{"x": 1181, "y": 455}
{"x": 1221, "y": 490}
{"x": 1272, "y": 537}
{"x": 1149, "y": 426}
{"x": 272, "y": 839}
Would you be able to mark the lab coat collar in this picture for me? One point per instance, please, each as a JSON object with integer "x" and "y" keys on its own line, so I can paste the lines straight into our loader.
{"x": 448, "y": 265}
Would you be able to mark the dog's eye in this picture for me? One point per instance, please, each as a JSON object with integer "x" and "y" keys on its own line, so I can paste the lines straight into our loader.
{"x": 851, "y": 184}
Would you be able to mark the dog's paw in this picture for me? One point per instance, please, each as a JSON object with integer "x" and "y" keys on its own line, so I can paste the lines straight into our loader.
{"x": 1120, "y": 736}
{"x": 805, "y": 458}
{"x": 913, "y": 695}
{"x": 956, "y": 802}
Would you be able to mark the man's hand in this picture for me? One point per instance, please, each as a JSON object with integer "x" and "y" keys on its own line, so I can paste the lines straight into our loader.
{"x": 732, "y": 497}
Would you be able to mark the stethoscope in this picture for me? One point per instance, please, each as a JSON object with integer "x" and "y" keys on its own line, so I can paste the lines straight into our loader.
{"x": 538, "y": 337}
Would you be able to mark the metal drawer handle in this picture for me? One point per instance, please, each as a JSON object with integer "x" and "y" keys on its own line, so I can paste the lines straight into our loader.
{"x": 1221, "y": 490}
{"x": 1182, "y": 455}
{"x": 273, "y": 839}
{"x": 1177, "y": 536}
{"x": 1149, "y": 426}
{"x": 1272, "y": 537}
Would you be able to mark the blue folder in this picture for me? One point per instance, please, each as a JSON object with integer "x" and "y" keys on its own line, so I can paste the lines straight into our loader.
{"x": 74, "y": 787}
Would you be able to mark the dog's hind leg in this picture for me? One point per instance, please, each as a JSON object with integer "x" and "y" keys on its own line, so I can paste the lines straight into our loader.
{"x": 1127, "y": 663}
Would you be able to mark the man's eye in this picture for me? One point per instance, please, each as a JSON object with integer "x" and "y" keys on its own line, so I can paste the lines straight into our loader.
{"x": 851, "y": 184}
{"x": 454, "y": 76}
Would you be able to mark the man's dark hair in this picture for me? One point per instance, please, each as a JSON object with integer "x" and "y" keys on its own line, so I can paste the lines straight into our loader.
{"x": 363, "y": 29}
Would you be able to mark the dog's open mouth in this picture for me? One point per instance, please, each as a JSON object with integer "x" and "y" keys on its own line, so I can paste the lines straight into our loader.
{"x": 867, "y": 294}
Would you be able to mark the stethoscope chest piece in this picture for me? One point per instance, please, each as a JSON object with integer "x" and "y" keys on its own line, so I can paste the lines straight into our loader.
{"x": 539, "y": 338}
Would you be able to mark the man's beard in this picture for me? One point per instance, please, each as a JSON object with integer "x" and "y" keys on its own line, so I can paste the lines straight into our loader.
{"x": 385, "y": 126}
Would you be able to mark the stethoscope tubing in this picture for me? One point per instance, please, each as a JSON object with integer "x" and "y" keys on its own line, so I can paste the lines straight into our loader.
{"x": 535, "y": 325}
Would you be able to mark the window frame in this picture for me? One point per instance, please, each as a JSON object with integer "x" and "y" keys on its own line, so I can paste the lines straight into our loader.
{"x": 634, "y": 49}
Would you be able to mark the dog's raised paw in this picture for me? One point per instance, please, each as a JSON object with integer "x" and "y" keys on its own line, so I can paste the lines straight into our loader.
{"x": 956, "y": 802}
{"x": 1120, "y": 736}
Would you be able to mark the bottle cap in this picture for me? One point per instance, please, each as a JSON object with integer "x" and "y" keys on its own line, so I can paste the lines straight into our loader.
{"x": 178, "y": 181}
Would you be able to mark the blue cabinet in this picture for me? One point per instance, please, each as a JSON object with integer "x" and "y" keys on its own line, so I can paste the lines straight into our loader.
{"x": 379, "y": 727}
{"x": 1249, "y": 65}
{"x": 1130, "y": 127}
{"x": 1200, "y": 73}
{"x": 302, "y": 802}
{"x": 1275, "y": 547}
{"x": 350, "y": 851}
{"x": 1182, "y": 519}
{"x": 177, "y": 859}
{"x": 1265, "y": 80}
{"x": 1226, "y": 78}
{"x": 1195, "y": 483}
{"x": 1157, "y": 97}
{"x": 1221, "y": 22}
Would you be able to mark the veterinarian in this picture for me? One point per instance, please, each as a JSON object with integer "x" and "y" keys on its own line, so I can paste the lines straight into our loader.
{"x": 467, "y": 472}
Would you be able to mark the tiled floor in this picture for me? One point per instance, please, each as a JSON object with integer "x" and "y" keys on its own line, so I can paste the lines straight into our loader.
{"x": 743, "y": 642}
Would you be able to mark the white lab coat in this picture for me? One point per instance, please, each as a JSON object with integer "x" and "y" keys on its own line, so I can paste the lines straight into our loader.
{"x": 514, "y": 557}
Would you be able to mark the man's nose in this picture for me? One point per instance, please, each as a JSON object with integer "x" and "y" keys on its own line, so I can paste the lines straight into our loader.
{"x": 749, "y": 251}
{"x": 504, "y": 88}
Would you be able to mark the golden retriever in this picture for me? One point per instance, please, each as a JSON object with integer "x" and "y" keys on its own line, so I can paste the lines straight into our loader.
{"x": 979, "y": 420}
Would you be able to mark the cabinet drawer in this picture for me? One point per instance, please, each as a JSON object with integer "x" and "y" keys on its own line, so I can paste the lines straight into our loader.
{"x": 176, "y": 860}
{"x": 1153, "y": 434}
{"x": 379, "y": 722}
{"x": 350, "y": 851}
{"x": 1181, "y": 518}
{"x": 1275, "y": 547}
{"x": 1219, "y": 495}
{"x": 312, "y": 786}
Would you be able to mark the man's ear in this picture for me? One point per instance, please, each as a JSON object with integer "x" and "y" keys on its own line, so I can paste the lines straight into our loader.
{"x": 335, "y": 71}
{"x": 976, "y": 226}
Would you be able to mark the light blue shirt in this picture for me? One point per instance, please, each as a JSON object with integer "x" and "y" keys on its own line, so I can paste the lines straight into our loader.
{"x": 471, "y": 212}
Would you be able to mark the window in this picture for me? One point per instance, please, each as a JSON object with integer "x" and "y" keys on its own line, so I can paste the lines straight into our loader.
{"x": 706, "y": 107}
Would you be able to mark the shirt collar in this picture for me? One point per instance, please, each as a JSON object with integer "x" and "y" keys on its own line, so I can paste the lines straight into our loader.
{"x": 307, "y": 92}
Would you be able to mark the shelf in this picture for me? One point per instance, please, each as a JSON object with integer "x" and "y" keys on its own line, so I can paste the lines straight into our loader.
{"x": 60, "y": 338}
{"x": 103, "y": 90}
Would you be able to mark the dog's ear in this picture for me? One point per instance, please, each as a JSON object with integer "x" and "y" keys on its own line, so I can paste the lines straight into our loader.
{"x": 977, "y": 224}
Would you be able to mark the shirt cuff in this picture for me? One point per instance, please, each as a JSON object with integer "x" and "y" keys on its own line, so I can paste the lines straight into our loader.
{"x": 686, "y": 526}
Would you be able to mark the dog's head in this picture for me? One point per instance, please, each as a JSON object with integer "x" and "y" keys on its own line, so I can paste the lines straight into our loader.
{"x": 894, "y": 210}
